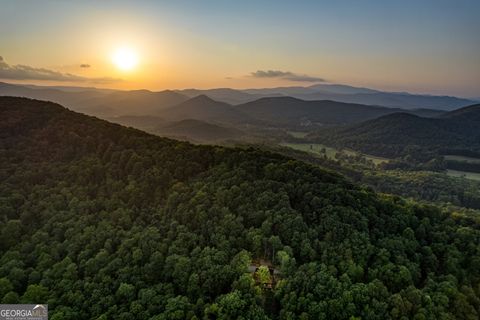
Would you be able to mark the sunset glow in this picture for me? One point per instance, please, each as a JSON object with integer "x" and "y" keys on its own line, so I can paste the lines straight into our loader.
{"x": 160, "y": 45}
{"x": 125, "y": 59}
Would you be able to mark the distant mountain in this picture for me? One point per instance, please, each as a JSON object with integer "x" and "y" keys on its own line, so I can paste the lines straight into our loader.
{"x": 341, "y": 89}
{"x": 230, "y": 96}
{"x": 68, "y": 98}
{"x": 205, "y": 109}
{"x": 280, "y": 113}
{"x": 108, "y": 103}
{"x": 99, "y": 102}
{"x": 280, "y": 91}
{"x": 70, "y": 88}
{"x": 145, "y": 123}
{"x": 290, "y": 111}
{"x": 426, "y": 113}
{"x": 470, "y": 113}
{"x": 393, "y": 100}
{"x": 135, "y": 102}
{"x": 339, "y": 93}
{"x": 197, "y": 130}
{"x": 188, "y": 129}
{"x": 349, "y": 94}
{"x": 402, "y": 134}
{"x": 316, "y": 88}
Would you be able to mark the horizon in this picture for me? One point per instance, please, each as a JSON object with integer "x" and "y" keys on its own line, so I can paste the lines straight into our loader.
{"x": 428, "y": 48}
{"x": 86, "y": 88}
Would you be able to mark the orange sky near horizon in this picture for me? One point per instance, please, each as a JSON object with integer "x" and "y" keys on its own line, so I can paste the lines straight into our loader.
{"x": 188, "y": 46}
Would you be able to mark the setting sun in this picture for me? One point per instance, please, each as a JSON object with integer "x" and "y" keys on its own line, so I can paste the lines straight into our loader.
{"x": 125, "y": 59}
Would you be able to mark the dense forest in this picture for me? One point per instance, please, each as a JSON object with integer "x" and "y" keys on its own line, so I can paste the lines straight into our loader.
{"x": 418, "y": 182}
{"x": 106, "y": 222}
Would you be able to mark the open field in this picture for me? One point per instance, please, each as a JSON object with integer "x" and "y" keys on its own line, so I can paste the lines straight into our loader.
{"x": 465, "y": 174}
{"x": 330, "y": 152}
{"x": 298, "y": 134}
{"x": 462, "y": 159}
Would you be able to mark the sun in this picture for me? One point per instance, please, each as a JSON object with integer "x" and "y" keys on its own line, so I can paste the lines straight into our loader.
{"x": 125, "y": 59}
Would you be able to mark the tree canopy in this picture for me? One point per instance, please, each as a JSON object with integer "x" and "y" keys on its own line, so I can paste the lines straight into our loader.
{"x": 106, "y": 222}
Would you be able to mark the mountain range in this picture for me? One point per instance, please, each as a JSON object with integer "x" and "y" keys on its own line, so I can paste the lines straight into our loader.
{"x": 99, "y": 102}
{"x": 264, "y": 109}
{"x": 339, "y": 93}
{"x": 106, "y": 102}
{"x": 291, "y": 112}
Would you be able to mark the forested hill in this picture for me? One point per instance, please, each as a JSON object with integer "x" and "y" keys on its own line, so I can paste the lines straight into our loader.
{"x": 288, "y": 112}
{"x": 106, "y": 222}
{"x": 402, "y": 134}
{"x": 470, "y": 113}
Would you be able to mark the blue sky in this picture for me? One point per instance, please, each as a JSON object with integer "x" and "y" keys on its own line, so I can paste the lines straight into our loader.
{"x": 419, "y": 46}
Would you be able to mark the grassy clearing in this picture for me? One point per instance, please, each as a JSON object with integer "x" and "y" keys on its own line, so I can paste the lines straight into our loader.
{"x": 298, "y": 134}
{"x": 462, "y": 159}
{"x": 464, "y": 174}
{"x": 316, "y": 148}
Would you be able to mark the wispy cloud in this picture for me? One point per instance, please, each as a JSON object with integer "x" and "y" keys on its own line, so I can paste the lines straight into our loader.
{"x": 286, "y": 75}
{"x": 84, "y": 65}
{"x": 23, "y": 72}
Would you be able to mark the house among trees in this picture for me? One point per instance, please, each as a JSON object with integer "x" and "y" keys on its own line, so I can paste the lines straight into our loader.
{"x": 264, "y": 273}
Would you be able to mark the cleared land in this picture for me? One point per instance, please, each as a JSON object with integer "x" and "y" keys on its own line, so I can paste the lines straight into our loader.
{"x": 330, "y": 152}
{"x": 464, "y": 174}
{"x": 462, "y": 159}
{"x": 297, "y": 134}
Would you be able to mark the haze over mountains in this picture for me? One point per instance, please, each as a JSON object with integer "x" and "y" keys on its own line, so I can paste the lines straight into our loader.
{"x": 97, "y": 101}
{"x": 218, "y": 111}
{"x": 141, "y": 101}
{"x": 109, "y": 103}
{"x": 336, "y": 92}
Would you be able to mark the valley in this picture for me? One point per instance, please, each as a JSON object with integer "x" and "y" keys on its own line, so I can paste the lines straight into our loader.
{"x": 329, "y": 152}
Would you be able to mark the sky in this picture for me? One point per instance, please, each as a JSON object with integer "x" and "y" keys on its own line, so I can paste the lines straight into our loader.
{"x": 422, "y": 46}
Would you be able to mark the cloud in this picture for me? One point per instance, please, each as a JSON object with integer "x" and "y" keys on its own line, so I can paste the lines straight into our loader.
{"x": 84, "y": 65}
{"x": 286, "y": 75}
{"x": 22, "y": 72}
{"x": 271, "y": 74}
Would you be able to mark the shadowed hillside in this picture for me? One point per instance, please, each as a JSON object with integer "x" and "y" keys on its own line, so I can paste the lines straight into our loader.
{"x": 198, "y": 130}
{"x": 402, "y": 134}
{"x": 137, "y": 102}
{"x": 288, "y": 111}
{"x": 205, "y": 109}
